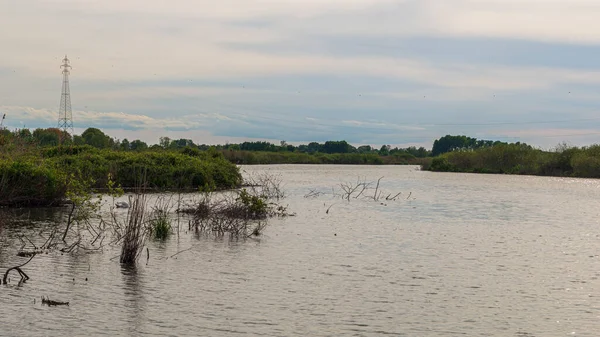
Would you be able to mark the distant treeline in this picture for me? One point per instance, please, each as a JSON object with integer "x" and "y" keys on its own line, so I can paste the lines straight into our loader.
{"x": 448, "y": 153}
{"x": 329, "y": 152}
{"x": 98, "y": 139}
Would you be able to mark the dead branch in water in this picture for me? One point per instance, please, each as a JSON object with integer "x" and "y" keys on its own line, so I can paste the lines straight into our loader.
{"x": 181, "y": 251}
{"x": 24, "y": 276}
{"x": 328, "y": 208}
{"x": 394, "y": 197}
{"x": 375, "y": 196}
{"x": 361, "y": 189}
{"x": 69, "y": 222}
{"x": 313, "y": 194}
{"x": 348, "y": 188}
{"x": 265, "y": 184}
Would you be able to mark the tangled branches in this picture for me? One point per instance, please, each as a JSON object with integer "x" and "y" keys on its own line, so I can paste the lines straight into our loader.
{"x": 362, "y": 189}
{"x": 240, "y": 213}
{"x": 265, "y": 185}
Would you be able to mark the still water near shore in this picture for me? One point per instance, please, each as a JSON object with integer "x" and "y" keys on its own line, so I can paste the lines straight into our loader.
{"x": 456, "y": 254}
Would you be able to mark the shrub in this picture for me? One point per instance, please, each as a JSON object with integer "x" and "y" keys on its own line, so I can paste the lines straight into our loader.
{"x": 40, "y": 178}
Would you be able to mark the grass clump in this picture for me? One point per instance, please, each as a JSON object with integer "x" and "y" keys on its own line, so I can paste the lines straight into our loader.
{"x": 160, "y": 226}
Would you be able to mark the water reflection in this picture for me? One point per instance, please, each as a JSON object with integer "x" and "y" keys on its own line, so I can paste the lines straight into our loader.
{"x": 135, "y": 301}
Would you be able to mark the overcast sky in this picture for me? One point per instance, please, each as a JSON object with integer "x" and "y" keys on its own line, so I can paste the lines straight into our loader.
{"x": 401, "y": 72}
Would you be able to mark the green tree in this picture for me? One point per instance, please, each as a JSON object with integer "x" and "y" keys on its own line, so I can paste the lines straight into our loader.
{"x": 125, "y": 145}
{"x": 342, "y": 146}
{"x": 313, "y": 147}
{"x": 385, "y": 150}
{"x": 181, "y": 143}
{"x": 164, "y": 142}
{"x": 97, "y": 138}
{"x": 47, "y": 137}
{"x": 364, "y": 149}
{"x": 25, "y": 134}
{"x": 138, "y": 145}
{"x": 78, "y": 140}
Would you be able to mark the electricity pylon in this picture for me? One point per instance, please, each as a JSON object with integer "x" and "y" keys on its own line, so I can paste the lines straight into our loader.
{"x": 65, "y": 115}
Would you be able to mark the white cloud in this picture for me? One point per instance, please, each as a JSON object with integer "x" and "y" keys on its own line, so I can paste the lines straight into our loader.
{"x": 15, "y": 115}
{"x": 381, "y": 125}
{"x": 131, "y": 40}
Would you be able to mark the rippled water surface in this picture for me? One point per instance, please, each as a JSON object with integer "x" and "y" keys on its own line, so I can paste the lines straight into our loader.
{"x": 456, "y": 255}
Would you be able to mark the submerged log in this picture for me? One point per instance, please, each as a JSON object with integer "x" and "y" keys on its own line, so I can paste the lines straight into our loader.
{"x": 47, "y": 301}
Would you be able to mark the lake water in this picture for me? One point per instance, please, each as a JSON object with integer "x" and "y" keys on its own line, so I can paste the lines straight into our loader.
{"x": 455, "y": 255}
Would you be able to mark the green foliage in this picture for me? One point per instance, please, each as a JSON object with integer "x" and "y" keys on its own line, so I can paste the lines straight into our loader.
{"x": 253, "y": 158}
{"x": 440, "y": 164}
{"x": 138, "y": 145}
{"x": 79, "y": 192}
{"x": 160, "y": 226}
{"x": 164, "y": 169}
{"x": 452, "y": 143}
{"x": 47, "y": 137}
{"x": 97, "y": 138}
{"x": 256, "y": 207}
{"x": 113, "y": 189}
{"x": 49, "y": 175}
{"x": 31, "y": 182}
{"x": 521, "y": 159}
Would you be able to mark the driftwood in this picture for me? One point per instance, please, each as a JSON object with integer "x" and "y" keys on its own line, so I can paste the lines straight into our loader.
{"x": 47, "y": 301}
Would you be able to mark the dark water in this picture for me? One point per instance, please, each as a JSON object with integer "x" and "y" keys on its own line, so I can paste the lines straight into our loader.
{"x": 465, "y": 255}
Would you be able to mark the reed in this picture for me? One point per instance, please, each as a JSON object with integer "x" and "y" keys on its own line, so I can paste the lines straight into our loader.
{"x": 135, "y": 231}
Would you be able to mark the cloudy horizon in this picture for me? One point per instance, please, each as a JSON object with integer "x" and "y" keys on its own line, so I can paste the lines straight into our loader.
{"x": 375, "y": 72}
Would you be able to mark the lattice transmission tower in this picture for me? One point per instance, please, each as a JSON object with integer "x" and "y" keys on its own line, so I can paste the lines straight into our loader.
{"x": 65, "y": 115}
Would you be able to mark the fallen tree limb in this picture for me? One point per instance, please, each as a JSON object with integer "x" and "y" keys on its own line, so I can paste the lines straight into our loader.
{"x": 24, "y": 276}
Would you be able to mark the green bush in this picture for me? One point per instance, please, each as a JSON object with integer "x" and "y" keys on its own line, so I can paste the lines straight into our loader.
{"x": 40, "y": 177}
{"x": 521, "y": 159}
{"x": 256, "y": 207}
{"x": 31, "y": 183}
{"x": 440, "y": 164}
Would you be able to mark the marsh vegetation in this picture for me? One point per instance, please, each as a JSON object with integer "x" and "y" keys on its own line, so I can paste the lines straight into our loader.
{"x": 564, "y": 160}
